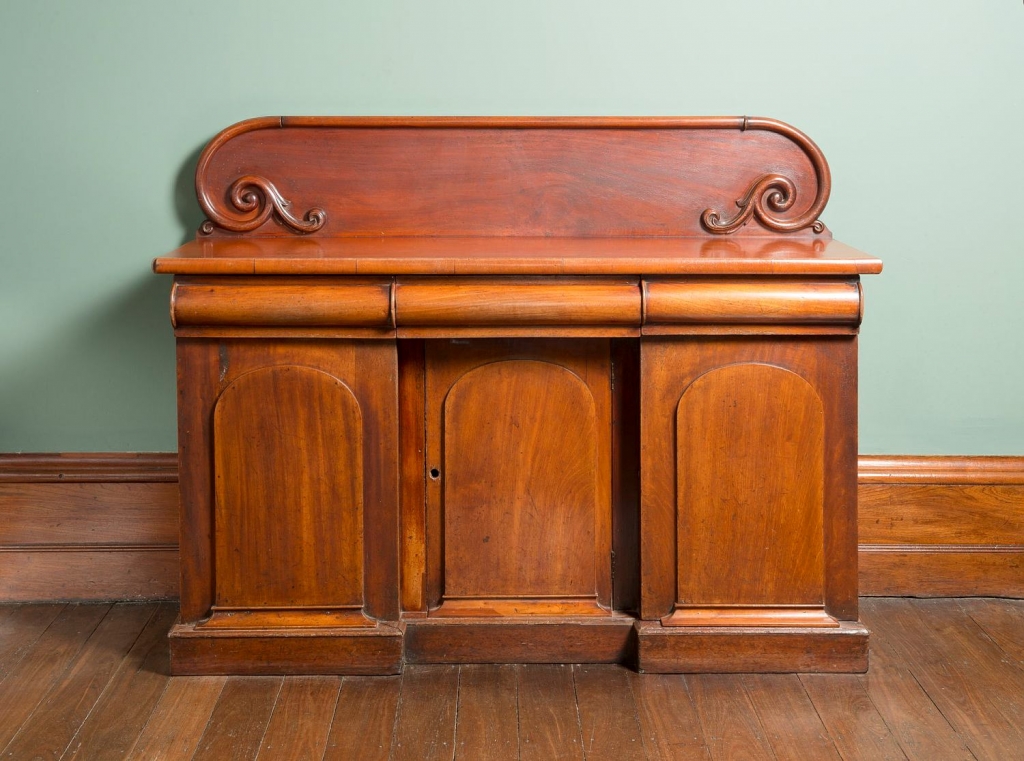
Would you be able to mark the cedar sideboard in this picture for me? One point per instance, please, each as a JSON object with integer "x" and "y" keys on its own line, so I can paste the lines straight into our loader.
{"x": 516, "y": 390}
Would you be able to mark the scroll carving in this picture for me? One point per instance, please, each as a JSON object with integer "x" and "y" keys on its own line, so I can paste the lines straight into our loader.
{"x": 769, "y": 197}
{"x": 772, "y": 195}
{"x": 256, "y": 199}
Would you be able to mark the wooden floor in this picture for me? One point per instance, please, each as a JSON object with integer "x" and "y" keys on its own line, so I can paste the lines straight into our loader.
{"x": 90, "y": 682}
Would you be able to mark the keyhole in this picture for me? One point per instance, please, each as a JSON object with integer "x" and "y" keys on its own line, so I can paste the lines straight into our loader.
{"x": 435, "y": 473}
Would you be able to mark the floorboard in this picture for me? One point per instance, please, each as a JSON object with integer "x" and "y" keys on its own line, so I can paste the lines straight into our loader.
{"x": 425, "y": 729}
{"x": 608, "y": 718}
{"x": 488, "y": 717}
{"x": 788, "y": 718}
{"x": 727, "y": 717}
{"x": 89, "y": 682}
{"x": 44, "y": 664}
{"x": 549, "y": 723}
{"x": 20, "y": 628}
{"x": 1002, "y": 621}
{"x": 179, "y": 719}
{"x": 669, "y": 723}
{"x": 117, "y": 719}
{"x": 918, "y": 725}
{"x": 61, "y": 713}
{"x": 239, "y": 719}
{"x": 301, "y": 720}
{"x": 364, "y": 720}
{"x": 961, "y": 669}
{"x": 856, "y": 727}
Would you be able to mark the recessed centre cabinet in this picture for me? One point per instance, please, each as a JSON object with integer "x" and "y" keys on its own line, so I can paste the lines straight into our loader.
{"x": 516, "y": 390}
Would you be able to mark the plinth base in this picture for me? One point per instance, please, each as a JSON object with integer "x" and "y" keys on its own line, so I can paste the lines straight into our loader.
{"x": 743, "y": 649}
{"x": 286, "y": 650}
{"x": 526, "y": 639}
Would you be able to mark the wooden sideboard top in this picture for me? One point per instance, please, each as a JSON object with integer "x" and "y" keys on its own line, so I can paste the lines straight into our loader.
{"x": 513, "y": 195}
{"x": 516, "y": 256}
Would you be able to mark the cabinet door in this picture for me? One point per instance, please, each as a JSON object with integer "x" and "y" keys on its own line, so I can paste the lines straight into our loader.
{"x": 518, "y": 451}
{"x": 748, "y": 480}
{"x": 291, "y": 506}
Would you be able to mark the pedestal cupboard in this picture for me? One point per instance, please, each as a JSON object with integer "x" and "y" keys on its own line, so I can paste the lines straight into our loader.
{"x": 516, "y": 390}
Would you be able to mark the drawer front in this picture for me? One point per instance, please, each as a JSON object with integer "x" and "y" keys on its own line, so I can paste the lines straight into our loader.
{"x": 517, "y": 302}
{"x": 294, "y": 302}
{"x": 752, "y": 301}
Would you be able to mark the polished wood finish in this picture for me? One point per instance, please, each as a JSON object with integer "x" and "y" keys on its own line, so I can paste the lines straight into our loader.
{"x": 945, "y": 682}
{"x": 293, "y": 302}
{"x": 935, "y": 469}
{"x": 412, "y": 434}
{"x": 528, "y": 517}
{"x": 490, "y": 390}
{"x": 289, "y": 491}
{"x": 752, "y": 302}
{"x": 530, "y": 637}
{"x": 744, "y": 649}
{"x": 326, "y": 409}
{"x": 560, "y": 302}
{"x": 727, "y": 562}
{"x": 88, "y": 526}
{"x": 932, "y": 526}
{"x": 764, "y": 445}
{"x": 518, "y": 256}
{"x": 582, "y": 177}
{"x": 196, "y": 649}
{"x": 89, "y": 467}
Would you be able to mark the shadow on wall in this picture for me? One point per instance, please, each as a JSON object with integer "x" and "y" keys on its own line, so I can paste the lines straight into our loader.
{"x": 185, "y": 205}
{"x": 105, "y": 382}
{"x": 106, "y": 379}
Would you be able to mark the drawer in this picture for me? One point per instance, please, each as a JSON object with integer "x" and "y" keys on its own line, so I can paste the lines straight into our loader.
{"x": 282, "y": 302}
{"x": 752, "y": 301}
{"x": 547, "y": 301}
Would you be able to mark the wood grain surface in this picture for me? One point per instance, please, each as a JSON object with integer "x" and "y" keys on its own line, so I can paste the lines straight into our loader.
{"x": 812, "y": 379}
{"x": 750, "y": 472}
{"x": 528, "y": 516}
{"x": 288, "y": 447}
{"x": 516, "y": 256}
{"x": 945, "y": 683}
{"x": 345, "y": 176}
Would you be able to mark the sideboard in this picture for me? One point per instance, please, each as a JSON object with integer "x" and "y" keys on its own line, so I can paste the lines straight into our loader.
{"x": 546, "y": 390}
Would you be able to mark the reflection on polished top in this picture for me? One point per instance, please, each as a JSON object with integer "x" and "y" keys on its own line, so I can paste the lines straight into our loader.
{"x": 517, "y": 256}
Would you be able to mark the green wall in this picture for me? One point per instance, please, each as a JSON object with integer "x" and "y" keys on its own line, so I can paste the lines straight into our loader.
{"x": 919, "y": 107}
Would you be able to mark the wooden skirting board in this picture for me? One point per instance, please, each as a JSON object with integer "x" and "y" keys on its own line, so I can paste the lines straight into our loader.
{"x": 105, "y": 526}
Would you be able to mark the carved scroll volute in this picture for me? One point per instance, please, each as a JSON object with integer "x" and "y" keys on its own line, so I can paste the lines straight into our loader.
{"x": 771, "y": 195}
{"x": 253, "y": 199}
{"x": 257, "y": 200}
